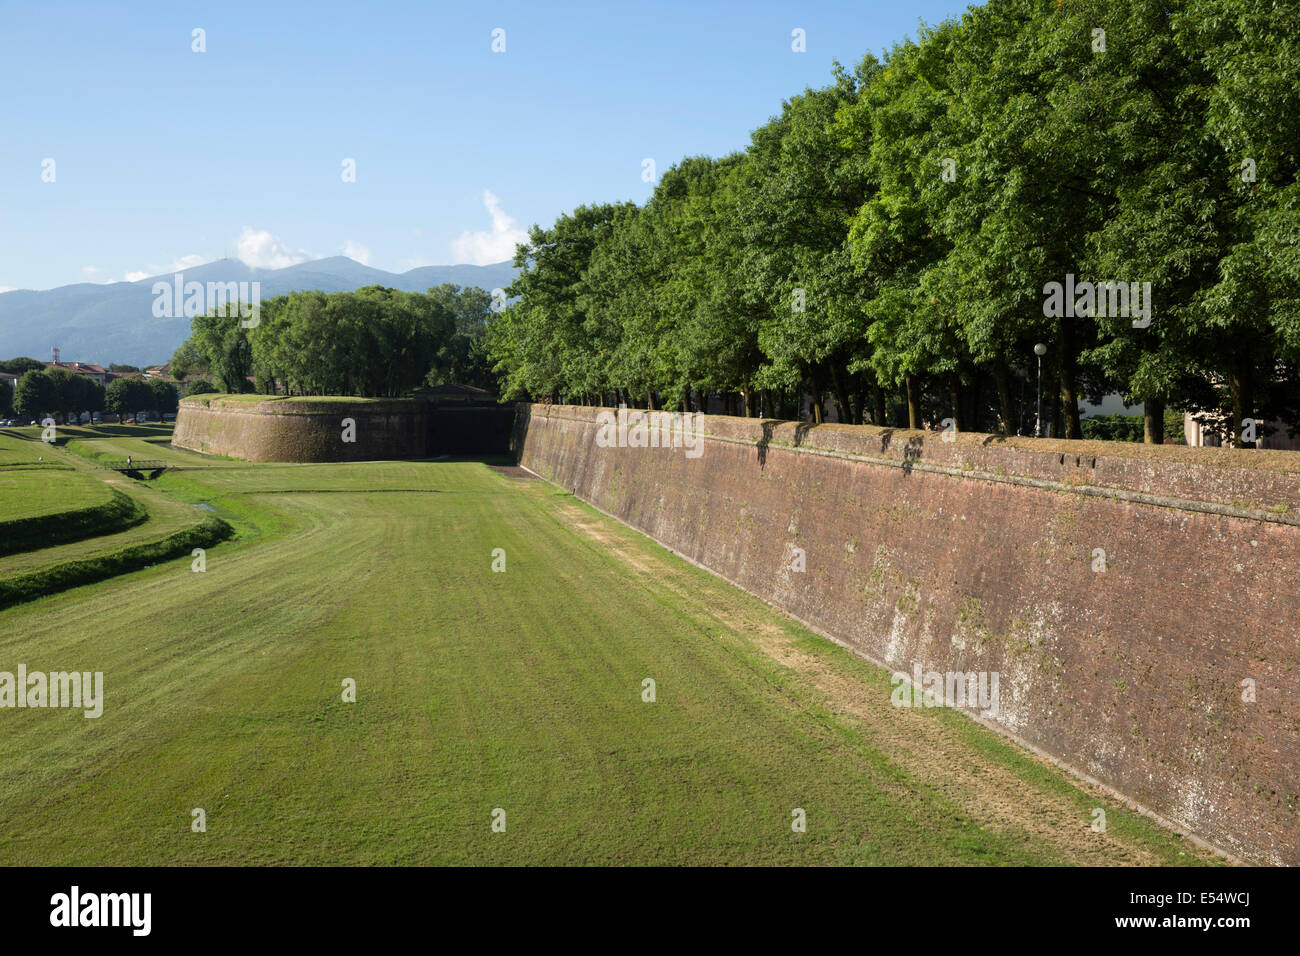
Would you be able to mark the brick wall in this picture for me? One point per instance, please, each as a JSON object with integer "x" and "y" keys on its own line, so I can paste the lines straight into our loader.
{"x": 978, "y": 555}
{"x": 302, "y": 430}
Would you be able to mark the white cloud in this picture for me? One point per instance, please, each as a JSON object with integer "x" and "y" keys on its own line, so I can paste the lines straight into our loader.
{"x": 8, "y": 288}
{"x": 489, "y": 246}
{"x": 355, "y": 250}
{"x": 261, "y": 250}
{"x": 96, "y": 274}
{"x": 152, "y": 269}
{"x": 187, "y": 262}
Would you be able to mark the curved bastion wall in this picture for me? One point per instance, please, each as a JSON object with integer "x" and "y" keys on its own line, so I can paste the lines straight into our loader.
{"x": 1139, "y": 605}
{"x": 278, "y": 429}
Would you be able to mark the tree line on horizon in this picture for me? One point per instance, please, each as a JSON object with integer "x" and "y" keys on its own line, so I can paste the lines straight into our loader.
{"x": 375, "y": 342}
{"x": 61, "y": 394}
{"x": 887, "y": 242}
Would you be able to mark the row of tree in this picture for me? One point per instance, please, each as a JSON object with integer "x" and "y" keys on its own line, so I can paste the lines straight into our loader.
{"x": 374, "y": 342}
{"x": 888, "y": 241}
{"x": 62, "y": 394}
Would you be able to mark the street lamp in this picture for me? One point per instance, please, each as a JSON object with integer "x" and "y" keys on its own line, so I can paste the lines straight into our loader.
{"x": 1040, "y": 350}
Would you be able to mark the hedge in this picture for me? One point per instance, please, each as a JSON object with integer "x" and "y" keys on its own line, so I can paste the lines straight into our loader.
{"x": 70, "y": 574}
{"x": 119, "y": 513}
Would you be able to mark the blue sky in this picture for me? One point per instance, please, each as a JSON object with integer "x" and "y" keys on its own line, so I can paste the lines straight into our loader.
{"x": 165, "y": 157}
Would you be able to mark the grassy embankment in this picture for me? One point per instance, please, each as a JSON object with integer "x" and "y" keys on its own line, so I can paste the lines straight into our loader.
{"x": 65, "y": 522}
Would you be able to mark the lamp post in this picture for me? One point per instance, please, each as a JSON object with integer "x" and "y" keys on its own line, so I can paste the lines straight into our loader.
{"x": 1040, "y": 350}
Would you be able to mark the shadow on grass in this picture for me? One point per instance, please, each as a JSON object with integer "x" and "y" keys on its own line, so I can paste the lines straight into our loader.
{"x": 149, "y": 430}
{"x": 64, "y": 433}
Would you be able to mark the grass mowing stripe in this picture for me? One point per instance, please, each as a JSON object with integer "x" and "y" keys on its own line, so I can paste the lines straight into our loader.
{"x": 70, "y": 574}
{"x": 478, "y": 690}
{"x": 116, "y": 513}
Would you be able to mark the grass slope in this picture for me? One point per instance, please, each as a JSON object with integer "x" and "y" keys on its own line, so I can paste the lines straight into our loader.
{"x": 115, "y": 525}
{"x": 478, "y": 690}
{"x": 53, "y": 492}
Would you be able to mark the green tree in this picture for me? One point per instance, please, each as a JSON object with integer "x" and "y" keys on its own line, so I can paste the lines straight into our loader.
{"x": 163, "y": 395}
{"x": 541, "y": 344}
{"x": 220, "y": 345}
{"x": 187, "y": 359}
{"x": 67, "y": 391}
{"x": 128, "y": 396}
{"x": 22, "y": 364}
{"x": 460, "y": 356}
{"x": 35, "y": 395}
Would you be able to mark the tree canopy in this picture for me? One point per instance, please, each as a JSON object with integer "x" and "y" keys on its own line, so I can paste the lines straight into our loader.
{"x": 888, "y": 241}
{"x": 374, "y": 342}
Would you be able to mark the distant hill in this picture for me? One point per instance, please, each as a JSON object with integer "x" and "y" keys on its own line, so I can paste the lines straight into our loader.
{"x": 91, "y": 322}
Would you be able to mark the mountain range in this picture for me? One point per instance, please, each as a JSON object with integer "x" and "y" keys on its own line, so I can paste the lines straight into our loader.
{"x": 114, "y": 322}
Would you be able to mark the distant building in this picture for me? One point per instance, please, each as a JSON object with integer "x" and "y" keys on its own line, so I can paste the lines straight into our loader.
{"x": 96, "y": 372}
{"x": 1209, "y": 434}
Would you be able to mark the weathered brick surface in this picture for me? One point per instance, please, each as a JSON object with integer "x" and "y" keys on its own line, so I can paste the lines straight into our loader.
{"x": 977, "y": 556}
{"x": 303, "y": 431}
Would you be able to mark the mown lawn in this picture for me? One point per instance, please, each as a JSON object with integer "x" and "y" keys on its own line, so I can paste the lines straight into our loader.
{"x": 17, "y": 449}
{"x": 479, "y": 690}
{"x": 70, "y": 481}
{"x": 32, "y": 492}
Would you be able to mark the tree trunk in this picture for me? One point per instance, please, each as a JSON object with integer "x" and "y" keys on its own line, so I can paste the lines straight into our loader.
{"x": 1241, "y": 387}
{"x": 816, "y": 399}
{"x": 1153, "y": 422}
{"x": 1006, "y": 407}
{"x": 913, "y": 392}
{"x": 954, "y": 397}
{"x": 1069, "y": 393}
{"x": 860, "y": 403}
{"x": 841, "y": 394}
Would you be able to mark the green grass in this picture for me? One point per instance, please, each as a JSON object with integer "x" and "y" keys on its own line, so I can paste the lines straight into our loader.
{"x": 17, "y": 449}
{"x": 38, "y": 492}
{"x": 109, "y": 525}
{"x": 164, "y": 516}
{"x": 217, "y": 398}
{"x": 39, "y": 536}
{"x": 477, "y": 690}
